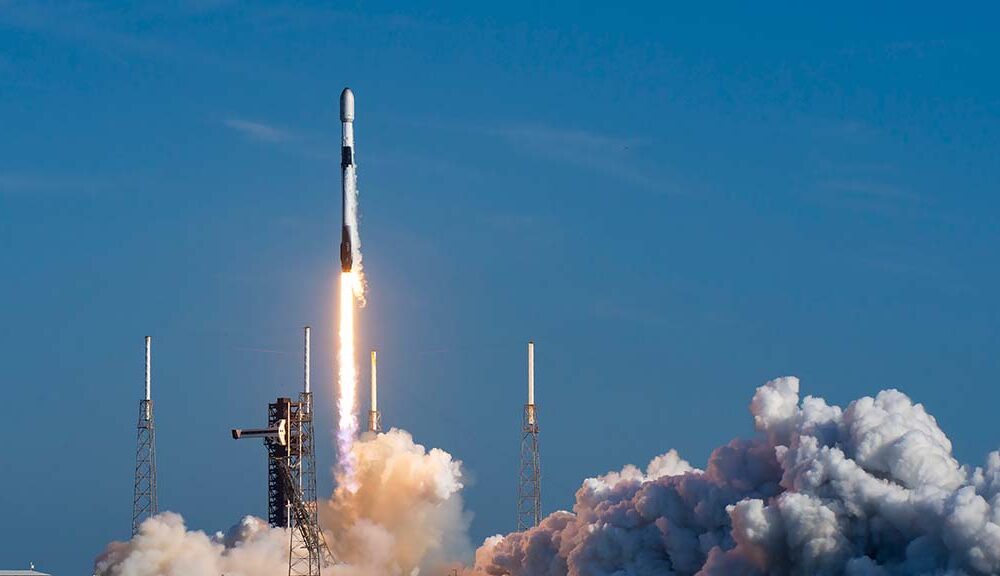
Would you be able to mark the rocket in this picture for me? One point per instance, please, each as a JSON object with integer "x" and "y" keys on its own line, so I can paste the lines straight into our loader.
{"x": 348, "y": 181}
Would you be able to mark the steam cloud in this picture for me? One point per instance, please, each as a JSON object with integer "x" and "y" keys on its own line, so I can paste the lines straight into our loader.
{"x": 164, "y": 546}
{"x": 406, "y": 513}
{"x": 404, "y": 518}
{"x": 870, "y": 490}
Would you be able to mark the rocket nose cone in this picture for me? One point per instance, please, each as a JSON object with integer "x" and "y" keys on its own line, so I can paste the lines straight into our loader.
{"x": 347, "y": 105}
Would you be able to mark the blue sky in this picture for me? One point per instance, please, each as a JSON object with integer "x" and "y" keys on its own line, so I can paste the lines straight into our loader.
{"x": 677, "y": 205}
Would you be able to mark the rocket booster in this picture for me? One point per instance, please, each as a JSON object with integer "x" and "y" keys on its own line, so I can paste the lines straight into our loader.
{"x": 348, "y": 181}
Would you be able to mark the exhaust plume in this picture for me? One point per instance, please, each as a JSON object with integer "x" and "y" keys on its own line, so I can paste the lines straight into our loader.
{"x": 347, "y": 382}
{"x": 164, "y": 547}
{"x": 404, "y": 517}
{"x": 869, "y": 490}
{"x": 406, "y": 513}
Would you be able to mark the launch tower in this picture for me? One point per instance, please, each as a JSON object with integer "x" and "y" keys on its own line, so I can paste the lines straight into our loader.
{"x": 305, "y": 557}
{"x": 529, "y": 486}
{"x": 291, "y": 476}
{"x": 144, "y": 491}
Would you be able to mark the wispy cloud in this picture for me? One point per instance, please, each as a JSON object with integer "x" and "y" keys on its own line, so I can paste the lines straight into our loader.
{"x": 629, "y": 313}
{"x": 31, "y": 184}
{"x": 610, "y": 154}
{"x": 261, "y": 350}
{"x": 573, "y": 140}
{"x": 200, "y": 6}
{"x": 90, "y": 24}
{"x": 614, "y": 155}
{"x": 872, "y": 194}
{"x": 260, "y": 131}
{"x": 870, "y": 189}
{"x": 510, "y": 221}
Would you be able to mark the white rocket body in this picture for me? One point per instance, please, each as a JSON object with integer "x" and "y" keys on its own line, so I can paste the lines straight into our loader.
{"x": 348, "y": 184}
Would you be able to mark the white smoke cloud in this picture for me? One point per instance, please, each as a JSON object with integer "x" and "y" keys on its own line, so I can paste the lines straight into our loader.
{"x": 870, "y": 490}
{"x": 406, "y": 513}
{"x": 405, "y": 517}
{"x": 164, "y": 547}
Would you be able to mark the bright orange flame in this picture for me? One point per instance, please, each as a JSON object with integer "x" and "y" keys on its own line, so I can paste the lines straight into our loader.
{"x": 347, "y": 379}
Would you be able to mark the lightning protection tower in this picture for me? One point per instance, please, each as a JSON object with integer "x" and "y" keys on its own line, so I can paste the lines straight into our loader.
{"x": 144, "y": 492}
{"x": 304, "y": 557}
{"x": 374, "y": 416}
{"x": 529, "y": 486}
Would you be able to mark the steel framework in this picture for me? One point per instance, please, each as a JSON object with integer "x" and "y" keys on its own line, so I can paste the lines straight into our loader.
{"x": 374, "y": 421}
{"x": 304, "y": 553}
{"x": 529, "y": 487}
{"x": 529, "y": 484}
{"x": 291, "y": 478}
{"x": 144, "y": 502}
{"x": 306, "y": 543}
{"x": 278, "y": 452}
{"x": 304, "y": 550}
{"x": 291, "y": 482}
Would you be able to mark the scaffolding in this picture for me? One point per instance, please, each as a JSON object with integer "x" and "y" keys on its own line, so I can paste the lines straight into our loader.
{"x": 144, "y": 502}
{"x": 291, "y": 478}
{"x": 298, "y": 475}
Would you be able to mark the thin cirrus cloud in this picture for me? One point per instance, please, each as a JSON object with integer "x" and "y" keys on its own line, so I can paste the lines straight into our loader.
{"x": 575, "y": 146}
{"x": 606, "y": 153}
{"x": 259, "y": 131}
{"x": 44, "y": 184}
{"x": 873, "y": 195}
{"x": 616, "y": 156}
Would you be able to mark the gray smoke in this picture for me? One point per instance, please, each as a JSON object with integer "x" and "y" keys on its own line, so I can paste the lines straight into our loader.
{"x": 869, "y": 490}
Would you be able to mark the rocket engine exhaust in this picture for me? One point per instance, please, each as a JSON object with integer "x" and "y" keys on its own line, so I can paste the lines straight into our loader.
{"x": 351, "y": 292}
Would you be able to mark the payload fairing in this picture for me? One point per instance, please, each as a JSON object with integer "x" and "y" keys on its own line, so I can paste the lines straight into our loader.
{"x": 348, "y": 182}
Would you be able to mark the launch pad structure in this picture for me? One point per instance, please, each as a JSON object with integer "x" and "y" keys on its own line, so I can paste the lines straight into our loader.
{"x": 291, "y": 477}
{"x": 529, "y": 485}
{"x": 144, "y": 502}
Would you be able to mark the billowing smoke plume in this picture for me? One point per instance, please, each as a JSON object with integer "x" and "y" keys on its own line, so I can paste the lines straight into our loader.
{"x": 870, "y": 490}
{"x": 164, "y": 547}
{"x": 405, "y": 514}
